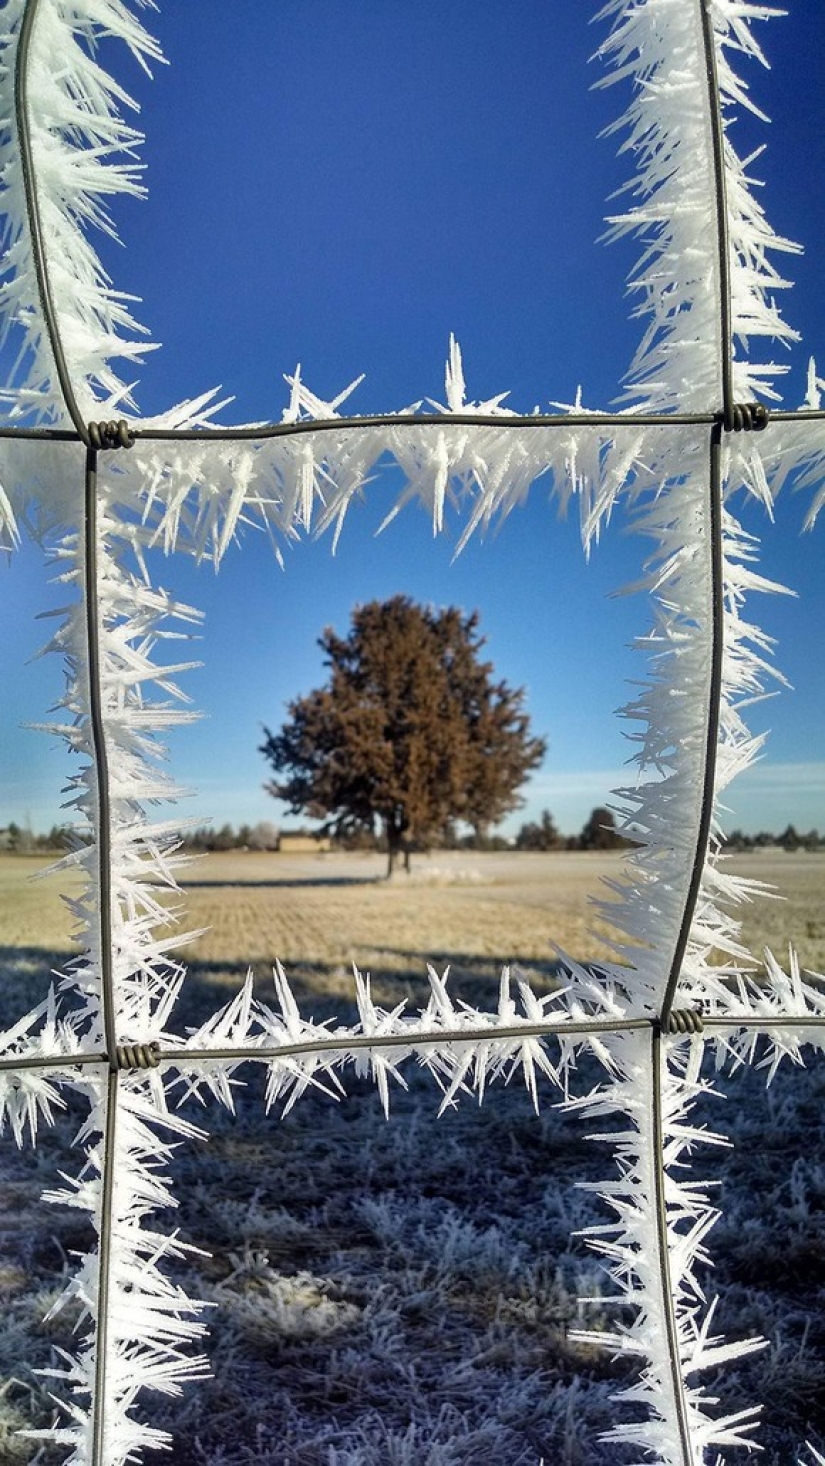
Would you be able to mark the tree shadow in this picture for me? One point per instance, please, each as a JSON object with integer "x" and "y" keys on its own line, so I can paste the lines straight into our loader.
{"x": 26, "y": 975}
{"x": 325, "y": 991}
{"x": 332, "y": 1232}
{"x": 287, "y": 883}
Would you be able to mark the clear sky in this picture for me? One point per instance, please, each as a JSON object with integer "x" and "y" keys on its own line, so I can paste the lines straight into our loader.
{"x": 343, "y": 185}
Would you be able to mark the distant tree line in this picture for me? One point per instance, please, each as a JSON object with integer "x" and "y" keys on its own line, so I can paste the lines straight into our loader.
{"x": 23, "y": 841}
{"x": 262, "y": 836}
{"x": 599, "y": 832}
{"x": 790, "y": 839}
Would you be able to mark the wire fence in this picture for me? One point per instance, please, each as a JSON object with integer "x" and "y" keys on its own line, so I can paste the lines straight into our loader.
{"x": 672, "y": 1018}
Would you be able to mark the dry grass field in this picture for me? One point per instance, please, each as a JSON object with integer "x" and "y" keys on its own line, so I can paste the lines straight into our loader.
{"x": 403, "y": 1293}
{"x": 320, "y": 913}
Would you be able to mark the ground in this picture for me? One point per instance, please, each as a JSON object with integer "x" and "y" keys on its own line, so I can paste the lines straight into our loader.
{"x": 403, "y": 1293}
{"x": 324, "y": 912}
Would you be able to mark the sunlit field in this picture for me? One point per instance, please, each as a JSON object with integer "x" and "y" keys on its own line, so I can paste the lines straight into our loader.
{"x": 406, "y": 1292}
{"x": 473, "y": 910}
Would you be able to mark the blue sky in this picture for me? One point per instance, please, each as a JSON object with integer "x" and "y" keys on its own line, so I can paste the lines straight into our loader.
{"x": 344, "y": 185}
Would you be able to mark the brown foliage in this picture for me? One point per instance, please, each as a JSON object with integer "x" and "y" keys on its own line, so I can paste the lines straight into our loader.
{"x": 411, "y": 730}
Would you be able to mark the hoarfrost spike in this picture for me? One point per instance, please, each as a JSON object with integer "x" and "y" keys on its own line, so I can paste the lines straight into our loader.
{"x": 706, "y": 284}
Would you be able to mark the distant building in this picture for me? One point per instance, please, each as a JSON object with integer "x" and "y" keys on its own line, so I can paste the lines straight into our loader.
{"x": 300, "y": 843}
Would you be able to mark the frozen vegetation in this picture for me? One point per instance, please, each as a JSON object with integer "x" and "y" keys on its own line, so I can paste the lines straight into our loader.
{"x": 337, "y": 1281}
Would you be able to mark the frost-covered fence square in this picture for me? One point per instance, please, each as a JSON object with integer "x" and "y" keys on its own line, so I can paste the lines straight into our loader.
{"x": 109, "y": 484}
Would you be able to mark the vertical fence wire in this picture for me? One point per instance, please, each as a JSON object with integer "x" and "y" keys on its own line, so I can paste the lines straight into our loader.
{"x": 103, "y": 824}
{"x": 657, "y": 1074}
{"x": 103, "y": 813}
{"x": 720, "y": 421}
{"x": 41, "y": 265}
{"x": 663, "y": 1250}
{"x": 715, "y": 493}
{"x": 717, "y": 131}
{"x": 104, "y": 1271}
{"x": 717, "y": 615}
{"x": 716, "y": 611}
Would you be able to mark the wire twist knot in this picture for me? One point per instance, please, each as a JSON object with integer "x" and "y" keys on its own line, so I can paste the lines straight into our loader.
{"x": 137, "y": 1056}
{"x": 110, "y": 434}
{"x": 683, "y": 1020}
{"x": 746, "y": 417}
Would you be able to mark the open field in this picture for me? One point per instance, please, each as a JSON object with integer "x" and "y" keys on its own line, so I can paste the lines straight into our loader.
{"x": 403, "y": 1293}
{"x": 321, "y": 913}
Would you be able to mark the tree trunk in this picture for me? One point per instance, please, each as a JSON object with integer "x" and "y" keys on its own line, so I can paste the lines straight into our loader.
{"x": 396, "y": 844}
{"x": 393, "y": 852}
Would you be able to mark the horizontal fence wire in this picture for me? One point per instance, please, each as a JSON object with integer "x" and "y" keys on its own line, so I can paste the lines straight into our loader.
{"x": 420, "y": 1039}
{"x": 306, "y": 427}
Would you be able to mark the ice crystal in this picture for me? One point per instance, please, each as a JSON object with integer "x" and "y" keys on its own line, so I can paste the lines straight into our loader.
{"x": 678, "y": 905}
